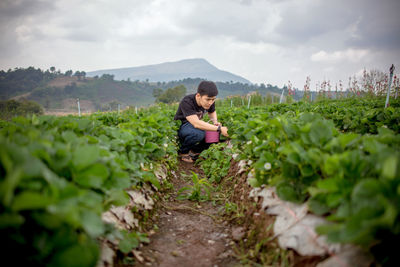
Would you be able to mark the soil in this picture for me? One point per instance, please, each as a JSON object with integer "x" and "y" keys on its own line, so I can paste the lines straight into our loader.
{"x": 64, "y": 81}
{"x": 190, "y": 233}
{"x": 198, "y": 234}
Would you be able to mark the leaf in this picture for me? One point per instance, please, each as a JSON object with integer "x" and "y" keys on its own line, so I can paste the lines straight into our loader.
{"x": 118, "y": 180}
{"x": 85, "y": 155}
{"x": 93, "y": 176}
{"x": 347, "y": 140}
{"x": 150, "y": 177}
{"x": 84, "y": 124}
{"x": 332, "y": 165}
{"x": 81, "y": 254}
{"x": 117, "y": 197}
{"x": 129, "y": 242}
{"x": 10, "y": 220}
{"x": 69, "y": 136}
{"x": 254, "y": 182}
{"x": 390, "y": 166}
{"x": 287, "y": 192}
{"x": 92, "y": 223}
{"x": 28, "y": 200}
{"x": 8, "y": 185}
{"x": 318, "y": 206}
{"x": 294, "y": 158}
{"x": 306, "y": 170}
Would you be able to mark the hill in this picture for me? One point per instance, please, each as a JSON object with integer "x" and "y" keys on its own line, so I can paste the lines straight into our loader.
{"x": 58, "y": 91}
{"x": 172, "y": 71}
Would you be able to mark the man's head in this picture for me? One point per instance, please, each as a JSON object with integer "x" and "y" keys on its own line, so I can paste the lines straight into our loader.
{"x": 206, "y": 94}
{"x": 207, "y": 88}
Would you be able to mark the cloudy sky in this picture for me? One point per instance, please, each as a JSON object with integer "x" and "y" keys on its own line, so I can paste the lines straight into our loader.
{"x": 265, "y": 41}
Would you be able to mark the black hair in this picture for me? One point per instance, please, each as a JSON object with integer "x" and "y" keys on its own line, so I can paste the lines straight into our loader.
{"x": 207, "y": 88}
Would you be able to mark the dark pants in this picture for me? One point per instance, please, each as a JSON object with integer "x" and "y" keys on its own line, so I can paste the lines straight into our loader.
{"x": 191, "y": 139}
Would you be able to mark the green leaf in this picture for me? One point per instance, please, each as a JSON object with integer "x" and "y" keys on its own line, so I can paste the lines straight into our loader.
{"x": 117, "y": 197}
{"x": 150, "y": 177}
{"x": 294, "y": 158}
{"x": 390, "y": 166}
{"x": 84, "y": 124}
{"x": 92, "y": 223}
{"x": 288, "y": 192}
{"x": 129, "y": 242}
{"x": 318, "y": 206}
{"x": 118, "y": 180}
{"x": 150, "y": 147}
{"x": 10, "y": 220}
{"x": 366, "y": 190}
{"x": 30, "y": 200}
{"x": 332, "y": 164}
{"x": 69, "y": 136}
{"x": 93, "y": 176}
{"x": 306, "y": 170}
{"x": 8, "y": 185}
{"x": 85, "y": 155}
{"x": 254, "y": 182}
{"x": 346, "y": 140}
{"x": 84, "y": 254}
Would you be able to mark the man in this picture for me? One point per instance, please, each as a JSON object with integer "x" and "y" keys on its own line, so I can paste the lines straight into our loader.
{"x": 192, "y": 130}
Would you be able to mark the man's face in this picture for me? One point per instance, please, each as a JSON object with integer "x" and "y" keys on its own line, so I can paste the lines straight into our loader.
{"x": 206, "y": 101}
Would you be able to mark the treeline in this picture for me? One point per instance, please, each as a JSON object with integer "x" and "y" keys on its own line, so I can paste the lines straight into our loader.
{"x": 51, "y": 88}
{"x": 225, "y": 88}
{"x": 170, "y": 95}
{"x": 23, "y": 80}
{"x": 12, "y": 108}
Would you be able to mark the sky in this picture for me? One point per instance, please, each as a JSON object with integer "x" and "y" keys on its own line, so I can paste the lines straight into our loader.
{"x": 264, "y": 41}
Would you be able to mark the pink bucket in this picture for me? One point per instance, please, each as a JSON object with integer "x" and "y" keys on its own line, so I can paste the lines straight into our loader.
{"x": 212, "y": 137}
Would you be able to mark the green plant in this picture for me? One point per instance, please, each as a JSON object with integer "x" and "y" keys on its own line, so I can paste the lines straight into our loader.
{"x": 215, "y": 161}
{"x": 199, "y": 191}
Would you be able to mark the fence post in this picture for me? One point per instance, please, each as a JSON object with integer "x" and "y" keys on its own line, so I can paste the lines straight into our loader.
{"x": 390, "y": 83}
{"x": 231, "y": 103}
{"x": 136, "y": 109}
{"x": 119, "y": 106}
{"x": 248, "y": 102}
{"x": 281, "y": 100}
{"x": 79, "y": 107}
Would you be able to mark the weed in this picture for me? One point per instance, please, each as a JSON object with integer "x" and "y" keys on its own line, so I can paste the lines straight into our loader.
{"x": 215, "y": 162}
{"x": 199, "y": 191}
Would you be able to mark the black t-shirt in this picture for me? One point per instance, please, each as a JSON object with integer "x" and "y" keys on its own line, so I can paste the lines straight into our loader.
{"x": 188, "y": 106}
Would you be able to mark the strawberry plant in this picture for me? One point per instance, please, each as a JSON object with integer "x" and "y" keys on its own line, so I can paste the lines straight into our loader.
{"x": 58, "y": 175}
{"x": 215, "y": 162}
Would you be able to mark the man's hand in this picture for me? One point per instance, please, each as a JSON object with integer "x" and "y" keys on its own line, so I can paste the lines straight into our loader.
{"x": 224, "y": 131}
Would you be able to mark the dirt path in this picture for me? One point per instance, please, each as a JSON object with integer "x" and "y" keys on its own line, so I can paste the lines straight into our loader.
{"x": 190, "y": 233}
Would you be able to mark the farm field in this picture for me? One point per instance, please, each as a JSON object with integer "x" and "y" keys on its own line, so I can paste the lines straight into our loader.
{"x": 97, "y": 189}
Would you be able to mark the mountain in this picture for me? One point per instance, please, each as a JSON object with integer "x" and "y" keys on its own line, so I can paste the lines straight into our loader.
{"x": 172, "y": 71}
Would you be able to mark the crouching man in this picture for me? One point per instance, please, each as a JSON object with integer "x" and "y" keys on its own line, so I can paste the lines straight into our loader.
{"x": 191, "y": 111}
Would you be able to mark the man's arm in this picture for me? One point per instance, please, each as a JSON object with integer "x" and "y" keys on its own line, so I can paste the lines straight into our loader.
{"x": 213, "y": 118}
{"x": 205, "y": 126}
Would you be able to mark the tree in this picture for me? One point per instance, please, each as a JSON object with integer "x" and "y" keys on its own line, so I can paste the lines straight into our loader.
{"x": 78, "y": 74}
{"x": 68, "y": 73}
{"x": 157, "y": 92}
{"x": 109, "y": 77}
{"x": 52, "y": 69}
{"x": 172, "y": 95}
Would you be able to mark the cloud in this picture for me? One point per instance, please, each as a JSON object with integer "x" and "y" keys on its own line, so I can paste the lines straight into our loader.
{"x": 352, "y": 55}
{"x": 269, "y": 41}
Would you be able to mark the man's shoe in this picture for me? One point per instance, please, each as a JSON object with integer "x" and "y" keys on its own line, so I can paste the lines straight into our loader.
{"x": 186, "y": 158}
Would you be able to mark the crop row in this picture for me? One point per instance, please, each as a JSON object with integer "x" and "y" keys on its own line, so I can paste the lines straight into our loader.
{"x": 58, "y": 175}
{"x": 352, "y": 178}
